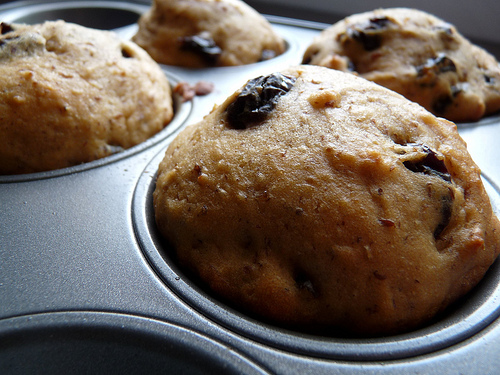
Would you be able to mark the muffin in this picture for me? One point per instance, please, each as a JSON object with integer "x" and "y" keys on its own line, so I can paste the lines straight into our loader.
{"x": 319, "y": 201}
{"x": 70, "y": 95}
{"x": 417, "y": 55}
{"x": 206, "y": 33}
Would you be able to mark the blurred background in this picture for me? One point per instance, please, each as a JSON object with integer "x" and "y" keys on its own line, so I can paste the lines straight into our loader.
{"x": 479, "y": 20}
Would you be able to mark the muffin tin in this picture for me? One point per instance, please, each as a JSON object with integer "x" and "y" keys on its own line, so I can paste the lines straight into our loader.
{"x": 88, "y": 286}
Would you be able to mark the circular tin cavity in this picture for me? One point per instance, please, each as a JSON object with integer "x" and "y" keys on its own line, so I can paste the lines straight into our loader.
{"x": 181, "y": 112}
{"x": 461, "y": 321}
{"x": 105, "y": 343}
{"x": 104, "y": 15}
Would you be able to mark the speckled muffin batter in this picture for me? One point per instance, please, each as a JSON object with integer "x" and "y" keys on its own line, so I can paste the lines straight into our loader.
{"x": 70, "y": 95}
{"x": 205, "y": 33}
{"x": 417, "y": 55}
{"x": 318, "y": 200}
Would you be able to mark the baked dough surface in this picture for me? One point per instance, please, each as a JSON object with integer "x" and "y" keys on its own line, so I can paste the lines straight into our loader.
{"x": 205, "y": 33}
{"x": 417, "y": 55}
{"x": 341, "y": 206}
{"x": 70, "y": 95}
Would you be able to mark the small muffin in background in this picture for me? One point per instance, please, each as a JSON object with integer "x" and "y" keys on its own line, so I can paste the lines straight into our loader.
{"x": 70, "y": 95}
{"x": 417, "y": 55}
{"x": 207, "y": 33}
{"x": 322, "y": 202}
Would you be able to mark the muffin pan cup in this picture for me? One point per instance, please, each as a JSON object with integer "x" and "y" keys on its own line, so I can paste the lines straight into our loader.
{"x": 103, "y": 343}
{"x": 87, "y": 284}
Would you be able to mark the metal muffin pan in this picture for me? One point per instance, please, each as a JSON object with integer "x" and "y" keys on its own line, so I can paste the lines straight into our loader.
{"x": 86, "y": 283}
{"x": 100, "y": 343}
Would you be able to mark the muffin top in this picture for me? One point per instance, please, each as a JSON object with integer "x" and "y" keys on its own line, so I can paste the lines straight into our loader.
{"x": 206, "y": 33}
{"x": 417, "y": 55}
{"x": 70, "y": 94}
{"x": 317, "y": 200}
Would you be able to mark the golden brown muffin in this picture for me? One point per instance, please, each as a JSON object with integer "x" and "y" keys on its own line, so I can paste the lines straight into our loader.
{"x": 316, "y": 199}
{"x": 70, "y": 95}
{"x": 417, "y": 55}
{"x": 204, "y": 33}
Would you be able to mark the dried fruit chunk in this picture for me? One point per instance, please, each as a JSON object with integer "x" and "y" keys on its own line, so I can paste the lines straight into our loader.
{"x": 368, "y": 34}
{"x": 437, "y": 65}
{"x": 429, "y": 164}
{"x": 5, "y": 28}
{"x": 446, "y": 211}
{"x": 202, "y": 44}
{"x": 443, "y": 102}
{"x": 445, "y": 28}
{"x": 257, "y": 99}
{"x": 15, "y": 45}
{"x": 489, "y": 80}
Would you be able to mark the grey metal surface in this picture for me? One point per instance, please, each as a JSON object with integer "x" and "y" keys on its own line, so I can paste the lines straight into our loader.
{"x": 79, "y": 253}
{"x": 103, "y": 343}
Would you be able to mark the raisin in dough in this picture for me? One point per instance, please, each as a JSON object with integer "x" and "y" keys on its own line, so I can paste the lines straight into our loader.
{"x": 417, "y": 55}
{"x": 316, "y": 199}
{"x": 204, "y": 33}
{"x": 70, "y": 94}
